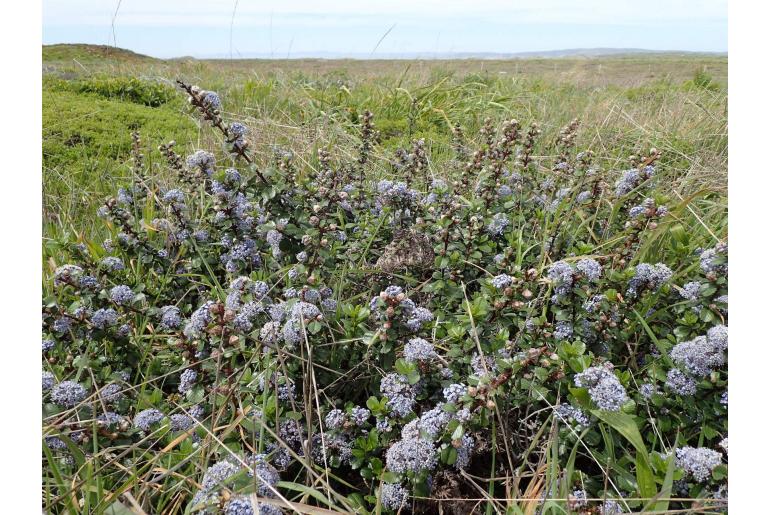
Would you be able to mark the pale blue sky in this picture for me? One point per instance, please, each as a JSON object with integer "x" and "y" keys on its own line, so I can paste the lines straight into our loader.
{"x": 168, "y": 28}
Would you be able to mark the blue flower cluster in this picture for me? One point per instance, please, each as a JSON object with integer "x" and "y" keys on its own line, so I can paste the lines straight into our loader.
{"x": 603, "y": 387}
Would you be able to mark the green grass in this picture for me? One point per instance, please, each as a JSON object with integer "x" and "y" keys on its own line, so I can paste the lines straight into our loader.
{"x": 94, "y": 97}
{"x": 86, "y": 139}
{"x": 90, "y": 54}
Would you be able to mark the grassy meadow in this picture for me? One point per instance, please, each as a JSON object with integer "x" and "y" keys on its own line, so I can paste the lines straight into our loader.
{"x": 94, "y": 97}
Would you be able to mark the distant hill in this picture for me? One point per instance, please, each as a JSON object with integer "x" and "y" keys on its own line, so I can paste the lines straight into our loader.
{"x": 604, "y": 52}
{"x": 85, "y": 53}
{"x": 91, "y": 53}
{"x": 545, "y": 54}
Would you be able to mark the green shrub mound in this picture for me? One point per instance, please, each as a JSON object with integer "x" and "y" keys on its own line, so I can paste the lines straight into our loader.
{"x": 125, "y": 89}
{"x": 521, "y": 330}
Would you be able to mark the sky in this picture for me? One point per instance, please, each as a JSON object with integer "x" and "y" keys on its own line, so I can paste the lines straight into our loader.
{"x": 295, "y": 28}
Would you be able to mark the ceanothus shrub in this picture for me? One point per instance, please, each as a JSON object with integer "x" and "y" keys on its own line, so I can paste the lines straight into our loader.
{"x": 393, "y": 325}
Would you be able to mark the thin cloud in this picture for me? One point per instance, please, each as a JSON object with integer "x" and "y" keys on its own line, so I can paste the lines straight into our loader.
{"x": 167, "y": 28}
{"x": 218, "y": 12}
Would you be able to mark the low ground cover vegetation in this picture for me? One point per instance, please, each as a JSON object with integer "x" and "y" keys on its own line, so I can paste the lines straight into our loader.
{"x": 476, "y": 318}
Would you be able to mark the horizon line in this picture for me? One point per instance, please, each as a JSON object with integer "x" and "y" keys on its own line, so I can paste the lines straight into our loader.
{"x": 428, "y": 55}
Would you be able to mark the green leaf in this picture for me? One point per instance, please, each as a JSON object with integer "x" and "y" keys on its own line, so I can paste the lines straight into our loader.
{"x": 644, "y": 476}
{"x": 668, "y": 482}
{"x": 581, "y": 394}
{"x": 720, "y": 472}
{"x": 413, "y": 377}
{"x": 403, "y": 368}
{"x": 661, "y": 348}
{"x": 390, "y": 477}
{"x": 625, "y": 425}
{"x": 451, "y": 457}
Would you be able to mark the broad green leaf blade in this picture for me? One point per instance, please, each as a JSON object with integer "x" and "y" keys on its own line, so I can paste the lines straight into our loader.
{"x": 665, "y": 492}
{"x": 644, "y": 477}
{"x": 625, "y": 425}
